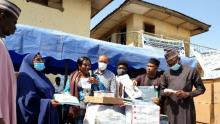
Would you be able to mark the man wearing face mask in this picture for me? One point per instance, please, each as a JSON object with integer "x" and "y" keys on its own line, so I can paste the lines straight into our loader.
{"x": 181, "y": 78}
{"x": 106, "y": 76}
{"x": 122, "y": 69}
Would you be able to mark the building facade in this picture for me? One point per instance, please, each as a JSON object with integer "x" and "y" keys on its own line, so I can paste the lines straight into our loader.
{"x": 133, "y": 18}
{"x": 71, "y": 16}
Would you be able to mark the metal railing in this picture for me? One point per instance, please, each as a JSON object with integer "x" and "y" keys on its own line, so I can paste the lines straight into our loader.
{"x": 135, "y": 39}
{"x": 204, "y": 50}
{"x": 126, "y": 38}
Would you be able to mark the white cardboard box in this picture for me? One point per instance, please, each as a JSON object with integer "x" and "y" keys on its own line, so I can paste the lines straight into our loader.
{"x": 147, "y": 113}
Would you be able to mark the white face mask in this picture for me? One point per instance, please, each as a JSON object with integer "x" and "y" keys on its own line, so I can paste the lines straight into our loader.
{"x": 102, "y": 66}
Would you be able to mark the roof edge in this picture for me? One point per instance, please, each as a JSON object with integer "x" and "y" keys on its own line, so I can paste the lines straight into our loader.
{"x": 204, "y": 26}
{"x": 123, "y": 4}
{"x": 101, "y": 9}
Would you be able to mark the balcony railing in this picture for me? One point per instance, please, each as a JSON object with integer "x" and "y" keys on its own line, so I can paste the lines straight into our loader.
{"x": 126, "y": 38}
{"x": 135, "y": 38}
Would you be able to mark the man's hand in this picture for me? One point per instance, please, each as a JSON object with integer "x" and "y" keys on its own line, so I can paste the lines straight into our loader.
{"x": 156, "y": 100}
{"x": 181, "y": 94}
{"x": 54, "y": 103}
{"x": 135, "y": 82}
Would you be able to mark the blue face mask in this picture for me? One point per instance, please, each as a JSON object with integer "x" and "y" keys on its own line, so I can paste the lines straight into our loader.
{"x": 39, "y": 66}
{"x": 175, "y": 67}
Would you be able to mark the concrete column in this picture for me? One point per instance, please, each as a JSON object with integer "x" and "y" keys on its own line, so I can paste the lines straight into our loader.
{"x": 134, "y": 25}
{"x": 114, "y": 38}
{"x": 187, "y": 46}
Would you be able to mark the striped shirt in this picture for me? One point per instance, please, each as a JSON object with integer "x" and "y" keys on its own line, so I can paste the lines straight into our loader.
{"x": 108, "y": 79}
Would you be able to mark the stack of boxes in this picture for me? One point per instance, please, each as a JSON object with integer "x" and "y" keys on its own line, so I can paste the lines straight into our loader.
{"x": 216, "y": 101}
{"x": 208, "y": 104}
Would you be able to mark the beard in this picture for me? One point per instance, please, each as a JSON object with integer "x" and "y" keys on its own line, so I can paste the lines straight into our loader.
{"x": 7, "y": 33}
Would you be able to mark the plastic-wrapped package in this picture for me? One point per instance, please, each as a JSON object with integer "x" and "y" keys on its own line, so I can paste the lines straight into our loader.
{"x": 148, "y": 92}
{"x": 109, "y": 116}
{"x": 104, "y": 114}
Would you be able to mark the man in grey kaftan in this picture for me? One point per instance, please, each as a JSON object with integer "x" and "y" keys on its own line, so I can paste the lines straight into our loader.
{"x": 179, "y": 105}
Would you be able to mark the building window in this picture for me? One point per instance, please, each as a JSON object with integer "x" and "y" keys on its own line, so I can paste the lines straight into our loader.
{"x": 109, "y": 39}
{"x": 123, "y": 31}
{"x": 57, "y": 4}
{"x": 149, "y": 28}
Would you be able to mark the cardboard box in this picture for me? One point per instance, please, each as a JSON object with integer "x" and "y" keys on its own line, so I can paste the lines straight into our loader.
{"x": 104, "y": 100}
{"x": 207, "y": 97}
{"x": 103, "y": 94}
{"x": 204, "y": 113}
{"x": 216, "y": 113}
{"x": 217, "y": 93}
{"x": 208, "y": 105}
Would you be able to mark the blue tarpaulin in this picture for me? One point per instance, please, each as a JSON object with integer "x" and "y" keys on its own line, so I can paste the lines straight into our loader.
{"x": 58, "y": 47}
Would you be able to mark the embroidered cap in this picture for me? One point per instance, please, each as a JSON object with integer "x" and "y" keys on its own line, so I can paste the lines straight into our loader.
{"x": 171, "y": 53}
{"x": 11, "y": 7}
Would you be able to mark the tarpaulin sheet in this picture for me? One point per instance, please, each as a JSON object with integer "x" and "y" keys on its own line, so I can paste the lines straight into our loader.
{"x": 58, "y": 46}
